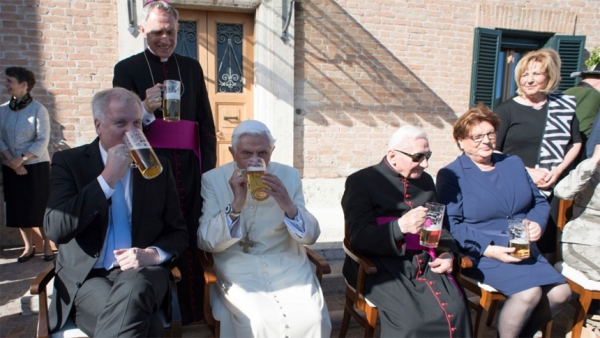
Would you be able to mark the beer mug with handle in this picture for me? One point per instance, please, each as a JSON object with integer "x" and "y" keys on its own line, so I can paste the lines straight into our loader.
{"x": 432, "y": 228}
{"x": 171, "y": 100}
{"x": 142, "y": 153}
{"x": 518, "y": 230}
{"x": 255, "y": 169}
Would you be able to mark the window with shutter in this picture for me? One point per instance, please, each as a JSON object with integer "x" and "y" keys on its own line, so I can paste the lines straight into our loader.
{"x": 570, "y": 49}
{"x": 496, "y": 53}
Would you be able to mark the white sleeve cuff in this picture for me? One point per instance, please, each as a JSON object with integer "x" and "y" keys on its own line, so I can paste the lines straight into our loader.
{"x": 106, "y": 189}
{"x": 296, "y": 224}
{"x": 164, "y": 256}
{"x": 147, "y": 118}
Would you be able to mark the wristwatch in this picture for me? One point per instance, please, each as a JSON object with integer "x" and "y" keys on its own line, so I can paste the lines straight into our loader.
{"x": 229, "y": 211}
{"x": 25, "y": 158}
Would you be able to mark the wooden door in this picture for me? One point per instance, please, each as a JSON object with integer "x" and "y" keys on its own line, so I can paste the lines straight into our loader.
{"x": 225, "y": 49}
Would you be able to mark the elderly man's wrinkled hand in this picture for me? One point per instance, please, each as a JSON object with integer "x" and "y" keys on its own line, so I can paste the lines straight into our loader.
{"x": 280, "y": 194}
{"x": 239, "y": 185}
{"x": 134, "y": 258}
{"x": 412, "y": 221}
{"x": 442, "y": 264}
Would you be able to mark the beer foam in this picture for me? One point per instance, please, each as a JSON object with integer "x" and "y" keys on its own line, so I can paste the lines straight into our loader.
{"x": 171, "y": 96}
{"x": 519, "y": 241}
{"x": 251, "y": 169}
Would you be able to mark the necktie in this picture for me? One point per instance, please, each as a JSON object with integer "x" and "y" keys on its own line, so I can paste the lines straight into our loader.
{"x": 119, "y": 232}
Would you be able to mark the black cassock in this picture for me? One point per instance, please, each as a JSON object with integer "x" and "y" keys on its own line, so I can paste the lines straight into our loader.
{"x": 412, "y": 300}
{"x": 134, "y": 74}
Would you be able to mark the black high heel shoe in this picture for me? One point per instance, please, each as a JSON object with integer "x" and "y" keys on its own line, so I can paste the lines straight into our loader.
{"x": 49, "y": 258}
{"x": 24, "y": 259}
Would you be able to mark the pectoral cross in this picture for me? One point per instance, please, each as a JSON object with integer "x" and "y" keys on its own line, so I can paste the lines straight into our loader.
{"x": 246, "y": 243}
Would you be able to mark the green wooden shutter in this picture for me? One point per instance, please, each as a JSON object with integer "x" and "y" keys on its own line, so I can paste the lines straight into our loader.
{"x": 570, "y": 49}
{"x": 486, "y": 47}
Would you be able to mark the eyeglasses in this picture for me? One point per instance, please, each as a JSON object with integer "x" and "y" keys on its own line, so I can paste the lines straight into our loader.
{"x": 478, "y": 138}
{"x": 416, "y": 157}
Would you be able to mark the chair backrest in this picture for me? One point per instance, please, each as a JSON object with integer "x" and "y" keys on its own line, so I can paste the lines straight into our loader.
{"x": 565, "y": 212}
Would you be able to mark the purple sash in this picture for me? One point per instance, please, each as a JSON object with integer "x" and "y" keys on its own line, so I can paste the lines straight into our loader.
{"x": 175, "y": 135}
{"x": 412, "y": 243}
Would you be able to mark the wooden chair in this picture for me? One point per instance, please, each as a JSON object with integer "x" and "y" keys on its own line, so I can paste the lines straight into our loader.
{"x": 206, "y": 260}
{"x": 38, "y": 287}
{"x": 355, "y": 299}
{"x": 586, "y": 289}
{"x": 489, "y": 299}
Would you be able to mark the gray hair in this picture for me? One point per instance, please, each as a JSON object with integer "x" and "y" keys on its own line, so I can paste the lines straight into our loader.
{"x": 405, "y": 134}
{"x": 121, "y": 96}
{"x": 161, "y": 6}
{"x": 250, "y": 127}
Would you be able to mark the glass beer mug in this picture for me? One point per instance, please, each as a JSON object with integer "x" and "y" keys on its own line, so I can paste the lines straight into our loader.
{"x": 171, "y": 100}
{"x": 143, "y": 155}
{"x": 518, "y": 230}
{"x": 432, "y": 228}
{"x": 255, "y": 169}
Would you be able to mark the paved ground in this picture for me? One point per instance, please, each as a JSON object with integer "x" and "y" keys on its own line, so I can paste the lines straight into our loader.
{"x": 17, "y": 320}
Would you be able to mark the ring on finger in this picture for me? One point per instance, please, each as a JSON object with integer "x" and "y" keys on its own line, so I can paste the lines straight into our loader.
{"x": 157, "y": 99}
{"x": 239, "y": 174}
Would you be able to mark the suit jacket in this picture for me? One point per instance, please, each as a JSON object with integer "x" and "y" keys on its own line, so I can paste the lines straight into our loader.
{"x": 477, "y": 209}
{"x": 77, "y": 219}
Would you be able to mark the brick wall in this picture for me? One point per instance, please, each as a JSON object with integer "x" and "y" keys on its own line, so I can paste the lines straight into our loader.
{"x": 71, "y": 46}
{"x": 366, "y": 67}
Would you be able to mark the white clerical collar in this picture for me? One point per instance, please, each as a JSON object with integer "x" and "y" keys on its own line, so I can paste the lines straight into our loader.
{"x": 161, "y": 59}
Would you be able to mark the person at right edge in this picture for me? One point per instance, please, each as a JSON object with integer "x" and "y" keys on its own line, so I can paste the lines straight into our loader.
{"x": 144, "y": 74}
{"x": 540, "y": 127}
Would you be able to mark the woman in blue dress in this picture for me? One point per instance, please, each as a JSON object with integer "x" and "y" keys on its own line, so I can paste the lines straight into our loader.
{"x": 482, "y": 190}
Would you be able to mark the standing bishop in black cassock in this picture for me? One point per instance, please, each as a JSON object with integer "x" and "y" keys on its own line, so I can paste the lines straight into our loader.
{"x": 144, "y": 74}
{"x": 416, "y": 295}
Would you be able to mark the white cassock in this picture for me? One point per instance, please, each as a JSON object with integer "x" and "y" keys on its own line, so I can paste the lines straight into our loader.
{"x": 272, "y": 290}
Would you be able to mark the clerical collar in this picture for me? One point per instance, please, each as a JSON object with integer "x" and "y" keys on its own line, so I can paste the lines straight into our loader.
{"x": 161, "y": 59}
{"x": 393, "y": 170}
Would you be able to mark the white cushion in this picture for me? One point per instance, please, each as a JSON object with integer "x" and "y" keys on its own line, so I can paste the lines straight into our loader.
{"x": 480, "y": 284}
{"x": 69, "y": 330}
{"x": 577, "y": 276}
{"x": 215, "y": 303}
{"x": 353, "y": 289}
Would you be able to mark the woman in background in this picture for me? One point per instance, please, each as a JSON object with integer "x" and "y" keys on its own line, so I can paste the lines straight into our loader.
{"x": 24, "y": 137}
{"x": 540, "y": 127}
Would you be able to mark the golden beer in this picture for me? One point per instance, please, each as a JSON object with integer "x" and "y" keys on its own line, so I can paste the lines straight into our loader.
{"x": 521, "y": 247}
{"x": 171, "y": 108}
{"x": 430, "y": 238}
{"x": 256, "y": 184}
{"x": 146, "y": 161}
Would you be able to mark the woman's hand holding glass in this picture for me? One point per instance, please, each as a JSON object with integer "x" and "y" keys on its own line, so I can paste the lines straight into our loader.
{"x": 535, "y": 231}
{"x": 501, "y": 253}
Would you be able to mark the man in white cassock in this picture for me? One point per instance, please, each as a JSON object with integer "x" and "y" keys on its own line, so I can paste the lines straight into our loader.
{"x": 265, "y": 284}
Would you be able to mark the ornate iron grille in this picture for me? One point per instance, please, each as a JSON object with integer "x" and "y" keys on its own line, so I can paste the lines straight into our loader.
{"x": 186, "y": 39}
{"x": 229, "y": 58}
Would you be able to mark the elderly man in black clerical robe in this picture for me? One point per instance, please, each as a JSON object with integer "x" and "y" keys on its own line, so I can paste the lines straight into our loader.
{"x": 190, "y": 144}
{"x": 384, "y": 212}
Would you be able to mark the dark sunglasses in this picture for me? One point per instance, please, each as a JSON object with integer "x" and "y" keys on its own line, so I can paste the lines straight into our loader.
{"x": 416, "y": 157}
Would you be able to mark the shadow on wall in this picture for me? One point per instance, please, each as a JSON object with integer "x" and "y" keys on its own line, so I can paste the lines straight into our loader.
{"x": 346, "y": 79}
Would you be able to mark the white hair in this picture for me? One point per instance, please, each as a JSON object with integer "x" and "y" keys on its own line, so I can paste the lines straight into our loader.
{"x": 250, "y": 127}
{"x": 404, "y": 135}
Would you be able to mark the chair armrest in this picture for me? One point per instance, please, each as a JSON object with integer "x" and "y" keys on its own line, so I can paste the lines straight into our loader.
{"x": 465, "y": 262}
{"x": 206, "y": 262}
{"x": 176, "y": 274}
{"x": 41, "y": 280}
{"x": 321, "y": 265}
{"x": 38, "y": 287}
{"x": 364, "y": 262}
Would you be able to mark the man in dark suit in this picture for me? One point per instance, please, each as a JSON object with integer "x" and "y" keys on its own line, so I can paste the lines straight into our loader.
{"x": 384, "y": 211}
{"x": 111, "y": 289}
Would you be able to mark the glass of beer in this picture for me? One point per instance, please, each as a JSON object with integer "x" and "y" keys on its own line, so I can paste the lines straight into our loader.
{"x": 171, "y": 100}
{"x": 518, "y": 230}
{"x": 143, "y": 155}
{"x": 255, "y": 169}
{"x": 432, "y": 228}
